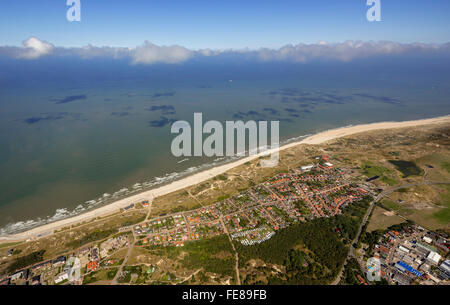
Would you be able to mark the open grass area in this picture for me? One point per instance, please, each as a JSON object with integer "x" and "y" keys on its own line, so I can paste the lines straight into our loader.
{"x": 386, "y": 175}
{"x": 390, "y": 205}
{"x": 381, "y": 219}
{"x": 446, "y": 166}
{"x": 407, "y": 168}
{"x": 100, "y": 276}
{"x": 443, "y": 216}
{"x": 8, "y": 245}
{"x": 427, "y": 205}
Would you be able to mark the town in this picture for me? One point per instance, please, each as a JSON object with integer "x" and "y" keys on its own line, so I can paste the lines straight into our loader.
{"x": 251, "y": 217}
{"x": 412, "y": 256}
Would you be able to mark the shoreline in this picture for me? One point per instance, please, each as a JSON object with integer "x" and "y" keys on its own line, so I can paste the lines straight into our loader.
{"x": 319, "y": 138}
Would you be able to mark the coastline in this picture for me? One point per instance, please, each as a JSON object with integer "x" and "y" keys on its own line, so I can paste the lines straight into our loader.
{"x": 319, "y": 138}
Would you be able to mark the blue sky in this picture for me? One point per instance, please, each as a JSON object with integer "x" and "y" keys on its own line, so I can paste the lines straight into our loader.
{"x": 216, "y": 24}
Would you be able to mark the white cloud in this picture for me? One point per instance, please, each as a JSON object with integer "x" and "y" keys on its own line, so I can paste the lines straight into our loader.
{"x": 345, "y": 51}
{"x": 89, "y": 51}
{"x": 35, "y": 48}
{"x": 150, "y": 53}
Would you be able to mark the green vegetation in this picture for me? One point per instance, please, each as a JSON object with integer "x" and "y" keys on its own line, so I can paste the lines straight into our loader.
{"x": 213, "y": 255}
{"x": 371, "y": 238}
{"x": 302, "y": 207}
{"x": 389, "y": 205}
{"x": 446, "y": 166}
{"x": 95, "y": 235}
{"x": 100, "y": 275}
{"x": 26, "y": 260}
{"x": 220, "y": 198}
{"x": 407, "y": 168}
{"x": 9, "y": 244}
{"x": 443, "y": 215}
{"x": 317, "y": 235}
{"x": 128, "y": 271}
{"x": 179, "y": 208}
{"x": 134, "y": 221}
{"x": 111, "y": 274}
{"x": 385, "y": 174}
{"x": 351, "y": 271}
{"x": 326, "y": 245}
{"x": 349, "y": 221}
{"x": 205, "y": 253}
{"x": 90, "y": 278}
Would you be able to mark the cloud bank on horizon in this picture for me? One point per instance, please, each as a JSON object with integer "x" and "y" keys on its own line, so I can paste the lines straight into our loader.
{"x": 149, "y": 53}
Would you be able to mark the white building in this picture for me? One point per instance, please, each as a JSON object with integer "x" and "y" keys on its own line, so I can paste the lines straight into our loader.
{"x": 16, "y": 276}
{"x": 427, "y": 239}
{"x": 307, "y": 167}
{"x": 61, "y": 277}
{"x": 404, "y": 249}
{"x": 434, "y": 257}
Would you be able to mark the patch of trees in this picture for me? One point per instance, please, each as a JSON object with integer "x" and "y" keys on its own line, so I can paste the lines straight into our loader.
{"x": 320, "y": 236}
{"x": 351, "y": 270}
{"x": 349, "y": 221}
{"x": 27, "y": 260}
{"x": 95, "y": 235}
{"x": 317, "y": 235}
{"x": 205, "y": 254}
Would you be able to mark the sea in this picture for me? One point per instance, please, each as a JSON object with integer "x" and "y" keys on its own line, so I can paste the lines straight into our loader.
{"x": 78, "y": 133}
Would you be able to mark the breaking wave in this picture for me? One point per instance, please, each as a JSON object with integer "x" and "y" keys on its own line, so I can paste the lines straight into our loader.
{"x": 106, "y": 198}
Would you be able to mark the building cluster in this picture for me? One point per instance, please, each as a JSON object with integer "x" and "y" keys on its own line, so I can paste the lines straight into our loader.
{"x": 251, "y": 217}
{"x": 57, "y": 271}
{"x": 413, "y": 256}
{"x": 113, "y": 244}
{"x": 253, "y": 236}
{"x": 302, "y": 193}
{"x": 46, "y": 272}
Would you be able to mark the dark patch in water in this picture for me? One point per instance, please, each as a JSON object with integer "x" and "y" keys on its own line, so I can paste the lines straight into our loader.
{"x": 52, "y": 117}
{"x": 383, "y": 99}
{"x": 163, "y": 121}
{"x": 163, "y": 94}
{"x": 70, "y": 98}
{"x": 165, "y": 109}
{"x": 243, "y": 115}
{"x": 271, "y": 111}
{"x": 120, "y": 114}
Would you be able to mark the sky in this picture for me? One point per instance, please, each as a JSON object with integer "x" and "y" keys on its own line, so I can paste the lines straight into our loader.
{"x": 231, "y": 24}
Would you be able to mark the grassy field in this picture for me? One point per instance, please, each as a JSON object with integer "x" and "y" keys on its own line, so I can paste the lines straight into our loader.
{"x": 382, "y": 219}
{"x": 443, "y": 216}
{"x": 385, "y": 174}
{"x": 428, "y": 206}
{"x": 407, "y": 168}
{"x": 9, "y": 245}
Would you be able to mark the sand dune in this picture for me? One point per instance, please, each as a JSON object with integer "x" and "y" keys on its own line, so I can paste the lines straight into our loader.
{"x": 207, "y": 174}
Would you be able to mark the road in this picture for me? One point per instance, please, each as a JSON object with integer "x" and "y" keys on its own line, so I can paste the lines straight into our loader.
{"x": 238, "y": 278}
{"x": 130, "y": 247}
{"x": 351, "y": 252}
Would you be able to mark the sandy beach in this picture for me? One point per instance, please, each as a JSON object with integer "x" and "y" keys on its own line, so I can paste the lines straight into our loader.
{"x": 199, "y": 177}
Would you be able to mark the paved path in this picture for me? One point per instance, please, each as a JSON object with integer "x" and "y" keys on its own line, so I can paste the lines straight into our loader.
{"x": 238, "y": 278}
{"x": 130, "y": 248}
